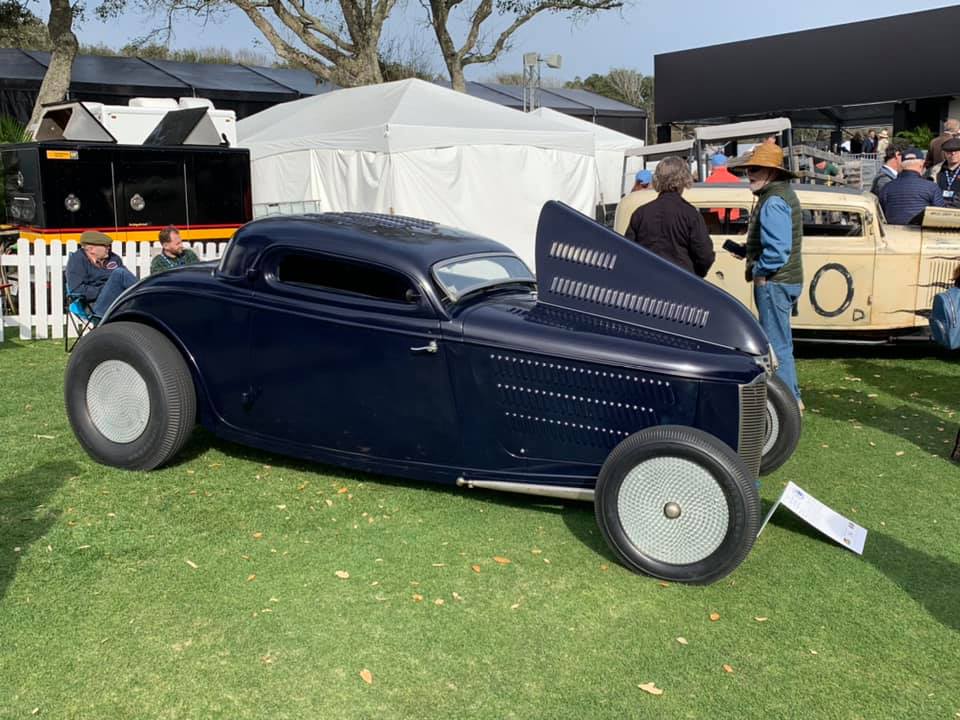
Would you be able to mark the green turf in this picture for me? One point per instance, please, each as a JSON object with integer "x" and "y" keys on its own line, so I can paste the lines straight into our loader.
{"x": 209, "y": 589}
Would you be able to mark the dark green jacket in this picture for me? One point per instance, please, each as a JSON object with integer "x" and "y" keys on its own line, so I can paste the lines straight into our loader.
{"x": 792, "y": 271}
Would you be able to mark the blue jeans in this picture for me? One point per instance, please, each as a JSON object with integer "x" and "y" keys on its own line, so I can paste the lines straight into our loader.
{"x": 119, "y": 280}
{"x": 774, "y": 306}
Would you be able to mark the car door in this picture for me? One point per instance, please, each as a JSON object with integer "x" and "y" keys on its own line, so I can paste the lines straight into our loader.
{"x": 347, "y": 356}
{"x": 728, "y": 222}
{"x": 839, "y": 253}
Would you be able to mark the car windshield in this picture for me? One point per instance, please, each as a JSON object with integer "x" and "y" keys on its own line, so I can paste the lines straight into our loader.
{"x": 463, "y": 275}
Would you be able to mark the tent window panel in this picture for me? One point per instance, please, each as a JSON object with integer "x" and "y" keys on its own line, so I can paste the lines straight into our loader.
{"x": 319, "y": 272}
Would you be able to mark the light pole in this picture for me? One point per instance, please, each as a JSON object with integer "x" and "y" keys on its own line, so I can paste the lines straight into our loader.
{"x": 531, "y": 77}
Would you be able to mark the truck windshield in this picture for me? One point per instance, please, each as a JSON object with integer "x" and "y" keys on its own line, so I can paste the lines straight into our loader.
{"x": 463, "y": 275}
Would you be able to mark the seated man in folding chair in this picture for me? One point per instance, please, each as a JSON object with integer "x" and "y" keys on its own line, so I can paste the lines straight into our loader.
{"x": 95, "y": 274}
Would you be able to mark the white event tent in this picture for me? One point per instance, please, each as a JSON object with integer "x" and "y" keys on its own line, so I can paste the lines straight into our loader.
{"x": 609, "y": 148}
{"x": 419, "y": 149}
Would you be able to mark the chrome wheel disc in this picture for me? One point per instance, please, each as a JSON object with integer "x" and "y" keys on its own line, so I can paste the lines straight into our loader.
{"x": 118, "y": 401}
{"x": 772, "y": 430}
{"x": 673, "y": 510}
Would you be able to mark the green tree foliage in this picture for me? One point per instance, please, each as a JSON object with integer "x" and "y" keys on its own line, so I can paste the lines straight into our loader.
{"x": 626, "y": 86}
{"x": 920, "y": 137}
{"x": 20, "y": 28}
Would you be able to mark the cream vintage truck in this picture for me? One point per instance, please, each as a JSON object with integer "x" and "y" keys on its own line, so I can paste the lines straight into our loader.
{"x": 863, "y": 279}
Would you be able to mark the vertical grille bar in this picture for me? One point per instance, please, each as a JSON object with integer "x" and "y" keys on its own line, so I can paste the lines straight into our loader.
{"x": 753, "y": 419}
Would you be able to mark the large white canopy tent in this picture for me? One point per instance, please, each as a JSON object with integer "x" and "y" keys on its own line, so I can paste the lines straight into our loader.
{"x": 418, "y": 149}
{"x": 615, "y": 177}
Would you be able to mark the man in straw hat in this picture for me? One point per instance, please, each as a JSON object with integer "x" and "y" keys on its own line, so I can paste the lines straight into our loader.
{"x": 774, "y": 248}
{"x": 97, "y": 273}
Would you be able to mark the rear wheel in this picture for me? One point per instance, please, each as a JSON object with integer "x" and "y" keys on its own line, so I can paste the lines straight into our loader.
{"x": 784, "y": 424}
{"x": 677, "y": 503}
{"x": 129, "y": 396}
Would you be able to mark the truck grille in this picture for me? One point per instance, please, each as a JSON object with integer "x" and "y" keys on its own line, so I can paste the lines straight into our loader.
{"x": 753, "y": 422}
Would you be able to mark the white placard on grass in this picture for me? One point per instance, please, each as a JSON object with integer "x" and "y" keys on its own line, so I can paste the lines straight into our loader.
{"x": 815, "y": 513}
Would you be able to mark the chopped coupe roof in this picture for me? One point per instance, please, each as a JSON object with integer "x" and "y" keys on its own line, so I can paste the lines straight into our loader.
{"x": 403, "y": 242}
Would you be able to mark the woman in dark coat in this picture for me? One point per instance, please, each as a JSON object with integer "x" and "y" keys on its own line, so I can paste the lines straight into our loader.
{"x": 670, "y": 226}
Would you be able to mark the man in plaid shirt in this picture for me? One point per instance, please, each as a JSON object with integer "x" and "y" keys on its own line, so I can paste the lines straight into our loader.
{"x": 172, "y": 252}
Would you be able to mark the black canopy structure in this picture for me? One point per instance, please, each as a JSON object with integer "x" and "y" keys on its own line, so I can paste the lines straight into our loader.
{"x": 247, "y": 90}
{"x": 114, "y": 80}
{"x": 898, "y": 71}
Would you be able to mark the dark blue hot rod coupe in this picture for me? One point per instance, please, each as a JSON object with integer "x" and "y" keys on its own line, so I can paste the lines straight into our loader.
{"x": 398, "y": 346}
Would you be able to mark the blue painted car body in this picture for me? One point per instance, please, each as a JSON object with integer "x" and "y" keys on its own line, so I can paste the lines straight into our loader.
{"x": 513, "y": 383}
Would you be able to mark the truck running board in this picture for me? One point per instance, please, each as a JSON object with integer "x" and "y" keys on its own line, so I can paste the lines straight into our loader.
{"x": 553, "y": 491}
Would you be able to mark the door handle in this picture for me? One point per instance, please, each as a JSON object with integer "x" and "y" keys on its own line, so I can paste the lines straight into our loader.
{"x": 430, "y": 347}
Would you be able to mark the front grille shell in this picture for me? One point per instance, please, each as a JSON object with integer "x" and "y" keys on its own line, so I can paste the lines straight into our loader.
{"x": 753, "y": 419}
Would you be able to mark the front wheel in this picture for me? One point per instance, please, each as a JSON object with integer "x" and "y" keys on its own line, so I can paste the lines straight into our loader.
{"x": 783, "y": 425}
{"x": 678, "y": 504}
{"x": 129, "y": 396}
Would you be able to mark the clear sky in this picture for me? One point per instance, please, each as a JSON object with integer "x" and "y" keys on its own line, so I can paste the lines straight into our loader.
{"x": 628, "y": 38}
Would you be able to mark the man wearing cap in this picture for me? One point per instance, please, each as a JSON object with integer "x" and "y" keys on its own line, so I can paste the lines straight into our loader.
{"x": 951, "y": 129}
{"x": 96, "y": 273}
{"x": 947, "y": 179}
{"x": 774, "y": 250}
{"x": 642, "y": 180}
{"x": 904, "y": 199}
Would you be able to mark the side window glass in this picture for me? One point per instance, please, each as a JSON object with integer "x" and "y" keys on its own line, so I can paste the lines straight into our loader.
{"x": 726, "y": 220}
{"x": 832, "y": 223}
{"x": 321, "y": 272}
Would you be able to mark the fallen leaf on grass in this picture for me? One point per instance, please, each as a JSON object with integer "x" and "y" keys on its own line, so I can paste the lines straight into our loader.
{"x": 760, "y": 619}
{"x": 651, "y": 688}
{"x": 501, "y": 560}
{"x": 45, "y": 437}
{"x": 257, "y": 535}
{"x": 439, "y": 564}
{"x": 664, "y": 584}
{"x": 515, "y": 606}
{"x": 899, "y": 453}
{"x": 457, "y": 596}
{"x": 604, "y": 567}
{"x": 342, "y": 574}
{"x": 417, "y": 597}
{"x": 714, "y": 616}
{"x": 871, "y": 395}
{"x": 439, "y": 601}
{"x": 366, "y": 676}
{"x": 343, "y": 491}
{"x": 251, "y": 578}
{"x": 727, "y": 668}
{"x": 192, "y": 564}
{"x": 682, "y": 640}
{"x": 475, "y": 568}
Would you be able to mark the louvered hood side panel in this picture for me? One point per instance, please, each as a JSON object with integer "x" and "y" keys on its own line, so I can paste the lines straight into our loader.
{"x": 584, "y": 266}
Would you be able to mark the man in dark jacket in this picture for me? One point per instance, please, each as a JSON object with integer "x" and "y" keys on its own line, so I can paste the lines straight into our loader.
{"x": 889, "y": 171}
{"x": 904, "y": 200}
{"x": 96, "y": 273}
{"x": 947, "y": 175}
{"x": 670, "y": 226}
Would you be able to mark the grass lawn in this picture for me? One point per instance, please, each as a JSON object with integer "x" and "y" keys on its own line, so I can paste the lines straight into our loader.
{"x": 210, "y": 589}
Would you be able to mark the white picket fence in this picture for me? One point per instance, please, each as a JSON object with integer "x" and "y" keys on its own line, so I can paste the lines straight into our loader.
{"x": 39, "y": 291}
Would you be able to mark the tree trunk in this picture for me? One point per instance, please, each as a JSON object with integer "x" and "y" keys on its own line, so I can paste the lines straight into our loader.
{"x": 457, "y": 82}
{"x": 56, "y": 81}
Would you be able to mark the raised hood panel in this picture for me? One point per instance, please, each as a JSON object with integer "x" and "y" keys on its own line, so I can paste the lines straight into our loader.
{"x": 584, "y": 266}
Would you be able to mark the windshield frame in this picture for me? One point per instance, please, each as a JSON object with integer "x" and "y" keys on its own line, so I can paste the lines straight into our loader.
{"x": 452, "y": 298}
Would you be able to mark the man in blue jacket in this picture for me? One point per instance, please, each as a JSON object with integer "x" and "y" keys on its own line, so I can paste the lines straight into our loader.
{"x": 903, "y": 200}
{"x": 96, "y": 273}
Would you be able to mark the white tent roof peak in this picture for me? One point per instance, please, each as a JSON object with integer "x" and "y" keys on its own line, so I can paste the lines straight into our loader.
{"x": 604, "y": 137}
{"x": 400, "y": 116}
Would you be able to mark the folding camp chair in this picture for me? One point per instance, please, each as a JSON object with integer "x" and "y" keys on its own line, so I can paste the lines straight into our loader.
{"x": 79, "y": 314}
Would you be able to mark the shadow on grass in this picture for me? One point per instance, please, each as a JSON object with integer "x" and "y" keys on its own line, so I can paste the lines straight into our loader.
{"x": 903, "y": 421}
{"x": 921, "y": 386}
{"x": 577, "y": 515}
{"x": 24, "y": 515}
{"x": 930, "y": 580}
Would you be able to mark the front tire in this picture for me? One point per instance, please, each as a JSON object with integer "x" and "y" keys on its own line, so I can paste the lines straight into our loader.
{"x": 678, "y": 504}
{"x": 129, "y": 396}
{"x": 783, "y": 426}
